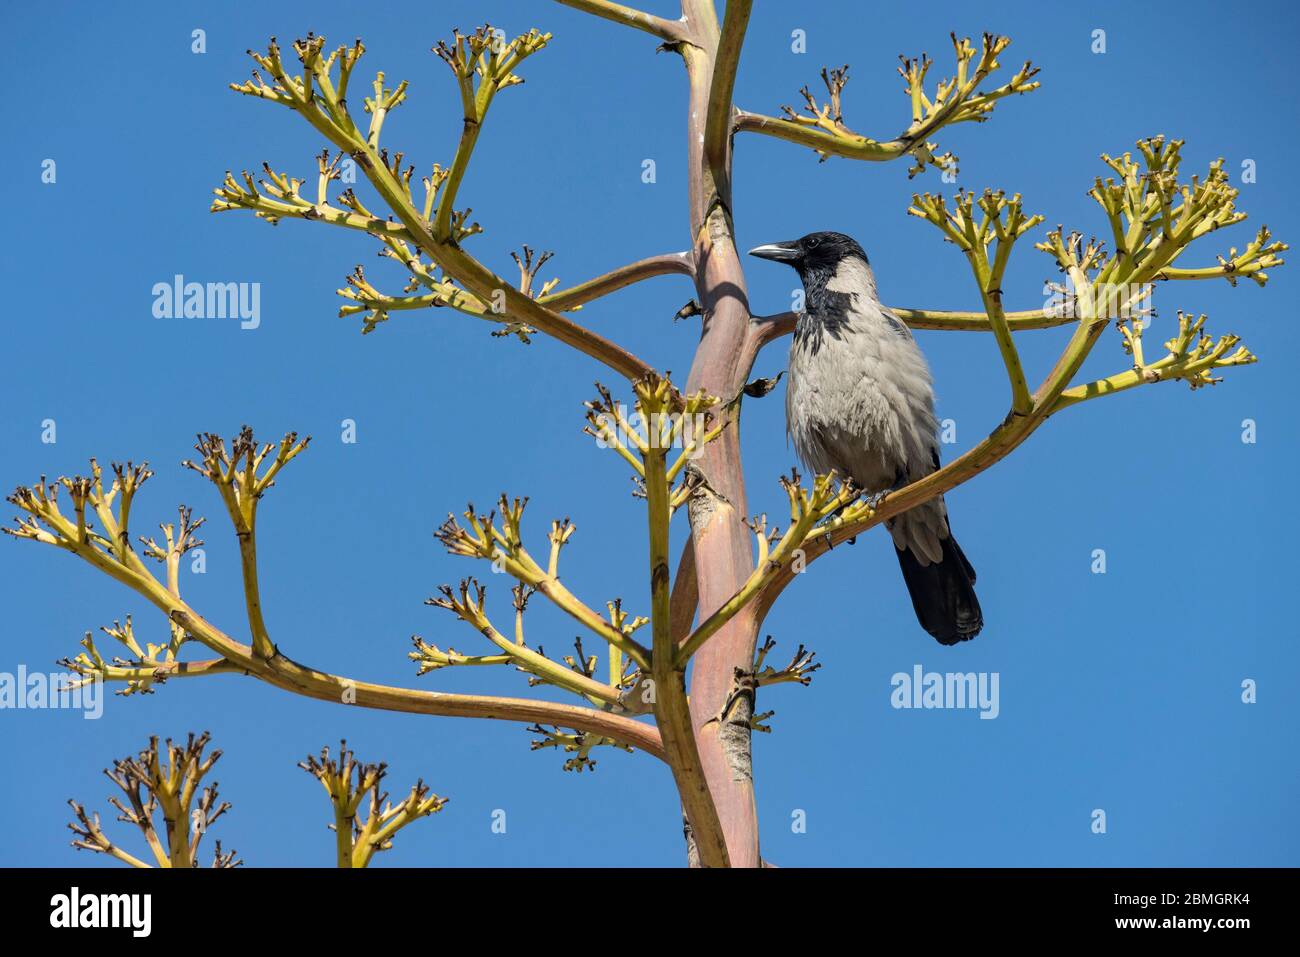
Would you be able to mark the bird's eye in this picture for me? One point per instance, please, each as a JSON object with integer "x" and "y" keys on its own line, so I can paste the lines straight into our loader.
{"x": 812, "y": 243}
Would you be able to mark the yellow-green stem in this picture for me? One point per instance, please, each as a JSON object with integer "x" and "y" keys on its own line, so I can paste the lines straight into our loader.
{"x": 672, "y": 711}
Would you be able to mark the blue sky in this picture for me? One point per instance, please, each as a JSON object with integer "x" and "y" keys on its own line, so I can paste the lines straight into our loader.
{"x": 1118, "y": 691}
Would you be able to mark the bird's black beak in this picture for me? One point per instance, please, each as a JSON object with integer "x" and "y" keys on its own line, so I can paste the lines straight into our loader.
{"x": 779, "y": 252}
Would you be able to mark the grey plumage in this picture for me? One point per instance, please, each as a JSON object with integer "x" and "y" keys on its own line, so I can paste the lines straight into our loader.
{"x": 860, "y": 401}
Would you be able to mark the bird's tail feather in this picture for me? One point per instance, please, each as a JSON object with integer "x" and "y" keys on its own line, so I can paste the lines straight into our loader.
{"x": 943, "y": 593}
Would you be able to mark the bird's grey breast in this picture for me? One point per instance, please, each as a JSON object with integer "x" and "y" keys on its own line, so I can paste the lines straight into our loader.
{"x": 860, "y": 399}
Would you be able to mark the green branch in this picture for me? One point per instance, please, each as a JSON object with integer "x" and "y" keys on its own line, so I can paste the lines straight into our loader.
{"x": 480, "y": 55}
{"x": 955, "y": 100}
{"x": 349, "y": 784}
{"x": 43, "y": 520}
{"x": 726, "y": 61}
{"x": 656, "y": 401}
{"x": 973, "y": 236}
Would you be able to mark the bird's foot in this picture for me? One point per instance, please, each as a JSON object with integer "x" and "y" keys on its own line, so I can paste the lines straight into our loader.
{"x": 830, "y": 541}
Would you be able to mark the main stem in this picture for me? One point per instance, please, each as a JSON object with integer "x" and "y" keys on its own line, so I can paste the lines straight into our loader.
{"x": 723, "y": 552}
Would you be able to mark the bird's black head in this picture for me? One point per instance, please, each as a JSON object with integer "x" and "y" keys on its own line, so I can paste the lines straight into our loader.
{"x": 814, "y": 254}
{"x": 818, "y": 258}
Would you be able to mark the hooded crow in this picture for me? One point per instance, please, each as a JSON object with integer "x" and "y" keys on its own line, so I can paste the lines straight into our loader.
{"x": 860, "y": 400}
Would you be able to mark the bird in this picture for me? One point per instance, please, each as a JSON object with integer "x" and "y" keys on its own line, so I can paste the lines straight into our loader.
{"x": 860, "y": 402}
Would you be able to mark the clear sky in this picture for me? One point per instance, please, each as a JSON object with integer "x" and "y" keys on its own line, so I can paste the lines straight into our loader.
{"x": 1118, "y": 691}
